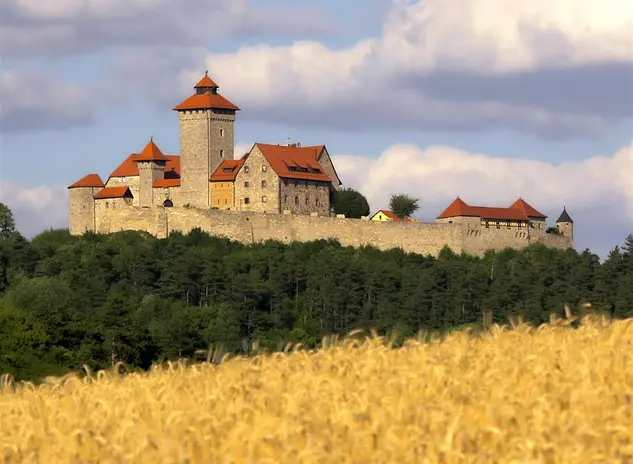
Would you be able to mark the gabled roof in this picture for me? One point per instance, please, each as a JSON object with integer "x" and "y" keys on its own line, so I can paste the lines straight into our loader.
{"x": 206, "y": 101}
{"x": 151, "y": 152}
{"x": 391, "y": 215}
{"x": 294, "y": 162}
{"x": 527, "y": 209}
{"x": 460, "y": 208}
{"x": 114, "y": 192}
{"x": 128, "y": 168}
{"x": 227, "y": 171}
{"x": 91, "y": 180}
{"x": 564, "y": 217}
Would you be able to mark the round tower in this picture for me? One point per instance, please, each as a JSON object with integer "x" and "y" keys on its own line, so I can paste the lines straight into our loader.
{"x": 565, "y": 225}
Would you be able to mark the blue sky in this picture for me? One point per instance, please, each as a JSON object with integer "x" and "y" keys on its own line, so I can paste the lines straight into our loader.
{"x": 487, "y": 99}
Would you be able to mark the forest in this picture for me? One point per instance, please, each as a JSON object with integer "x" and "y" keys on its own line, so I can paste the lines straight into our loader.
{"x": 68, "y": 301}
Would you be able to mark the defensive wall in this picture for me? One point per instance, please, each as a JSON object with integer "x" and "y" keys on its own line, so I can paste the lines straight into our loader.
{"x": 250, "y": 227}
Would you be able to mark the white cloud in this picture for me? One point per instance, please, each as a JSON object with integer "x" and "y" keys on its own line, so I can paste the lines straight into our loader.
{"x": 36, "y": 208}
{"x": 456, "y": 64}
{"x": 506, "y": 35}
{"x": 597, "y": 192}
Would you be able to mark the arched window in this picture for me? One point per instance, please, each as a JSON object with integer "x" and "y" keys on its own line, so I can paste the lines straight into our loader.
{"x": 296, "y": 200}
{"x": 168, "y": 203}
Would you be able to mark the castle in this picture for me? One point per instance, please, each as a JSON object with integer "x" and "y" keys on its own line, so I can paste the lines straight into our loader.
{"x": 280, "y": 192}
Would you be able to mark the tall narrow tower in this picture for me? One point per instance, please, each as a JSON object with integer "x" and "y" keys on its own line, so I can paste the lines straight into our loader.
{"x": 207, "y": 121}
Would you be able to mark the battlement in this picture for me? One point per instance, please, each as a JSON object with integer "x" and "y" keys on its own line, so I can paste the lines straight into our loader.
{"x": 426, "y": 238}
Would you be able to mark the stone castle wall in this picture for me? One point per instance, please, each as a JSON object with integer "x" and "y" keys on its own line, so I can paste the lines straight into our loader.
{"x": 250, "y": 227}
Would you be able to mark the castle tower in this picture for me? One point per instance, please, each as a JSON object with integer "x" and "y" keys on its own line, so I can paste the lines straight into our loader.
{"x": 151, "y": 167}
{"x": 82, "y": 204}
{"x": 207, "y": 122}
{"x": 565, "y": 225}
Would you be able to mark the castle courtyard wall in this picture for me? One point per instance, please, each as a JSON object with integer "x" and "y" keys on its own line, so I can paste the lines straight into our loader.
{"x": 251, "y": 227}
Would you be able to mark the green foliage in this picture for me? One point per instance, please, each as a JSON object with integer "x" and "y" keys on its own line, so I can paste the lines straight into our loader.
{"x": 350, "y": 202}
{"x": 67, "y": 301}
{"x": 553, "y": 230}
{"x": 7, "y": 222}
{"x": 403, "y": 205}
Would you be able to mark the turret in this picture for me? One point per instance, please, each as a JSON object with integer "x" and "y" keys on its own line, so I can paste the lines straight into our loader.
{"x": 151, "y": 167}
{"x": 207, "y": 122}
{"x": 82, "y": 204}
{"x": 565, "y": 225}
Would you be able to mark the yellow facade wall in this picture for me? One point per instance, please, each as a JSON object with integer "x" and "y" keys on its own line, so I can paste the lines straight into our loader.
{"x": 222, "y": 194}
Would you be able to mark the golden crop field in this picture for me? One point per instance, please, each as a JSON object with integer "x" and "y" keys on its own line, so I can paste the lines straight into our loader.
{"x": 548, "y": 395}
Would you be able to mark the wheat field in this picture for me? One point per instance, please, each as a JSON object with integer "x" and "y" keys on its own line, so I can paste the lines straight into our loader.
{"x": 511, "y": 395}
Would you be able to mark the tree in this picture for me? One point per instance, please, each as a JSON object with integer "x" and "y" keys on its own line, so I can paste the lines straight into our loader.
{"x": 403, "y": 205}
{"x": 7, "y": 223}
{"x": 351, "y": 203}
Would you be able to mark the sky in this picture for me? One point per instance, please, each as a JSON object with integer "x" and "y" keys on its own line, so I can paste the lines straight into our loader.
{"x": 490, "y": 100}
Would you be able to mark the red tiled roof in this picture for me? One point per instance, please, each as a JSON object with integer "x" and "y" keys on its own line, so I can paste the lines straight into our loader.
{"x": 151, "y": 152}
{"x": 113, "y": 192}
{"x": 128, "y": 168}
{"x": 527, "y": 209}
{"x": 222, "y": 173}
{"x": 282, "y": 158}
{"x": 164, "y": 183}
{"x": 206, "y": 81}
{"x": 459, "y": 208}
{"x": 206, "y": 101}
{"x": 91, "y": 180}
{"x": 391, "y": 215}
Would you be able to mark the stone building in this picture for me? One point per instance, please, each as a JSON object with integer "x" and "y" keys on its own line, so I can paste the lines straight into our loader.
{"x": 270, "y": 178}
{"x": 519, "y": 215}
{"x": 280, "y": 192}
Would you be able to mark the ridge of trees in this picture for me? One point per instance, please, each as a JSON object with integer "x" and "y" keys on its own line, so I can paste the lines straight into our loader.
{"x": 66, "y": 301}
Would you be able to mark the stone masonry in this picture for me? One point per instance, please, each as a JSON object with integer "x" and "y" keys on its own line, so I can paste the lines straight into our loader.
{"x": 257, "y": 185}
{"x": 206, "y": 139}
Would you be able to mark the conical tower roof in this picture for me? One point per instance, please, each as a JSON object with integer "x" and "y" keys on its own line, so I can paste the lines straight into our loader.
{"x": 151, "y": 152}
{"x": 564, "y": 217}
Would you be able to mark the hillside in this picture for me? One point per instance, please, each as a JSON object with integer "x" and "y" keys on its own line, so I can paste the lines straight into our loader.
{"x": 66, "y": 301}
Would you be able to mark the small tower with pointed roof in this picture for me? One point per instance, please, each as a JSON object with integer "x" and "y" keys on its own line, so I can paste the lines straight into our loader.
{"x": 151, "y": 167}
{"x": 565, "y": 225}
{"x": 207, "y": 121}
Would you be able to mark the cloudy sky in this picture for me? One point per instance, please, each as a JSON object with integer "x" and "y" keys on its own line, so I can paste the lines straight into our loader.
{"x": 486, "y": 99}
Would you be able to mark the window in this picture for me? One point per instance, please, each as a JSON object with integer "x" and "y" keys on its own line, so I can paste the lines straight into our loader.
{"x": 264, "y": 199}
{"x": 498, "y": 225}
{"x": 285, "y": 198}
{"x": 247, "y": 200}
{"x": 508, "y": 224}
{"x": 221, "y": 153}
{"x": 307, "y": 200}
{"x": 221, "y": 132}
{"x": 226, "y": 201}
{"x": 168, "y": 203}
{"x": 487, "y": 225}
{"x": 246, "y": 184}
{"x": 318, "y": 203}
{"x": 296, "y": 200}
{"x": 264, "y": 184}
{"x": 264, "y": 168}
{"x": 519, "y": 224}
{"x": 107, "y": 205}
{"x": 246, "y": 169}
